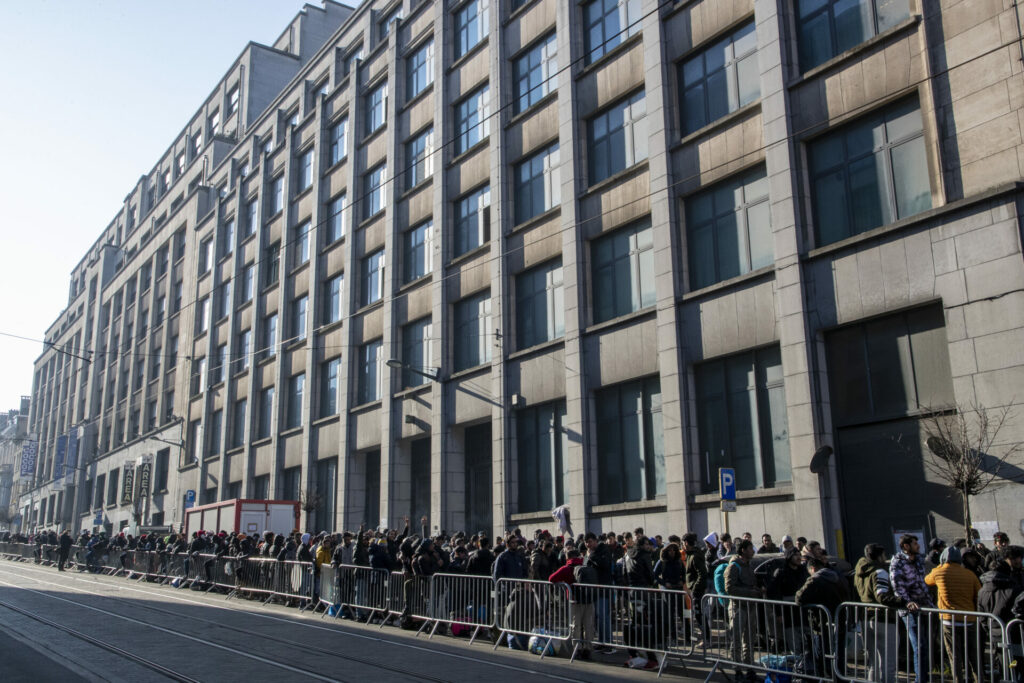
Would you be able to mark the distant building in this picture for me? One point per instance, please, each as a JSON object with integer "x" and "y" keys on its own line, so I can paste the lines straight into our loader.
{"x": 13, "y": 435}
{"x": 474, "y": 260}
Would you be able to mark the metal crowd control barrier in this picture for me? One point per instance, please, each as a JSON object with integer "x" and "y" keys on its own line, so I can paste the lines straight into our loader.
{"x": 1015, "y": 649}
{"x": 879, "y": 645}
{"x": 649, "y": 619}
{"x": 773, "y": 636}
{"x": 274, "y": 578}
{"x": 409, "y": 596}
{"x": 461, "y": 601}
{"x": 362, "y": 590}
{"x": 525, "y": 608}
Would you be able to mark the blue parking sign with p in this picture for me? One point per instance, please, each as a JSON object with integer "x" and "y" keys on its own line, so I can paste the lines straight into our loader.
{"x": 727, "y": 483}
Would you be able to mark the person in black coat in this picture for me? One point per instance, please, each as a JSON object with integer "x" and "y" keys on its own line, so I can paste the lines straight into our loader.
{"x": 789, "y": 578}
{"x": 65, "y": 549}
{"x": 998, "y": 588}
{"x": 481, "y": 560}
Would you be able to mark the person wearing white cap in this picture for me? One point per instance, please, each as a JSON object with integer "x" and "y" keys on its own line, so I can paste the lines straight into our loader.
{"x": 787, "y": 542}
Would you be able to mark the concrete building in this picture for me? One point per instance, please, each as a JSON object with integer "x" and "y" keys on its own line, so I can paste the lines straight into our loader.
{"x": 13, "y": 435}
{"x": 471, "y": 260}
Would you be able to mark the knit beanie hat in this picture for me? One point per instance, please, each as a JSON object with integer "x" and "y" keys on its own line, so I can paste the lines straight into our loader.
{"x": 951, "y": 554}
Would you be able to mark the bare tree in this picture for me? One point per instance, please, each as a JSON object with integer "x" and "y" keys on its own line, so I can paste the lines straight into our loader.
{"x": 310, "y": 499}
{"x": 962, "y": 445}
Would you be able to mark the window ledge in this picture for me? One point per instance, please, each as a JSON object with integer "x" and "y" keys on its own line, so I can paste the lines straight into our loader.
{"x": 719, "y": 123}
{"x": 262, "y": 442}
{"x": 291, "y": 431}
{"x": 532, "y": 109}
{"x": 470, "y": 372}
{"x": 368, "y": 138}
{"x": 616, "y": 178}
{"x": 542, "y": 516}
{"x": 326, "y": 420}
{"x": 752, "y": 495}
{"x": 379, "y": 303}
{"x": 297, "y": 269}
{"x": 190, "y": 466}
{"x": 418, "y": 187}
{"x": 331, "y": 245}
{"x": 414, "y": 391}
{"x": 915, "y": 220}
{"x": 522, "y": 9}
{"x": 420, "y": 96}
{"x": 416, "y": 284}
{"x": 335, "y": 166}
{"x": 537, "y": 348}
{"x": 235, "y": 450}
{"x": 370, "y": 219}
{"x": 654, "y": 505}
{"x": 622, "y": 320}
{"x": 622, "y": 47}
{"x": 536, "y": 220}
{"x": 329, "y": 327}
{"x": 843, "y": 57}
{"x": 459, "y": 158}
{"x": 470, "y": 255}
{"x": 303, "y": 192}
{"x": 365, "y": 407}
{"x": 730, "y": 283}
{"x": 469, "y": 54}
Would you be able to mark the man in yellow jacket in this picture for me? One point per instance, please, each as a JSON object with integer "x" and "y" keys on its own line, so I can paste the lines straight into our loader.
{"x": 958, "y": 591}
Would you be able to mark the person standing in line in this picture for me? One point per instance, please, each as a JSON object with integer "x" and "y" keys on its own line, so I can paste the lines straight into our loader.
{"x": 958, "y": 590}
{"x": 906, "y": 571}
{"x": 881, "y": 631}
{"x": 740, "y": 582}
{"x": 65, "y": 549}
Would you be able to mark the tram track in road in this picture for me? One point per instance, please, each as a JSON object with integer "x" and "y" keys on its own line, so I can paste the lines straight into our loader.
{"x": 526, "y": 671}
{"x": 103, "y": 645}
{"x": 234, "y": 652}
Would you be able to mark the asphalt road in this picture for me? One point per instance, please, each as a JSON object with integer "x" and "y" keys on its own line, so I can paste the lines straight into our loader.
{"x": 102, "y": 628}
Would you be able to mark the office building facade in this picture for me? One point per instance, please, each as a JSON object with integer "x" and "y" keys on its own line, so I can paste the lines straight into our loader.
{"x": 473, "y": 260}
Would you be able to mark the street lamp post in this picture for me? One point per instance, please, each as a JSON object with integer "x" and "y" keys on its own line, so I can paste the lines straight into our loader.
{"x": 396, "y": 364}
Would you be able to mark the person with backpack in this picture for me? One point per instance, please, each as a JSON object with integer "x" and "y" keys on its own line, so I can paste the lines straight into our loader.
{"x": 575, "y": 572}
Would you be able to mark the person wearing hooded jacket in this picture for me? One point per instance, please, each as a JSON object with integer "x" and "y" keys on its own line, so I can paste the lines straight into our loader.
{"x": 881, "y": 631}
{"x": 998, "y": 588}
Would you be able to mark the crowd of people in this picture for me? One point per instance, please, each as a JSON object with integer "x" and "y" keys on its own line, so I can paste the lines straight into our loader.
{"x": 962, "y": 576}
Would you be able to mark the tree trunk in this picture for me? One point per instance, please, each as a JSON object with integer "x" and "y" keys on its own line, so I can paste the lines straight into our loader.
{"x": 967, "y": 518}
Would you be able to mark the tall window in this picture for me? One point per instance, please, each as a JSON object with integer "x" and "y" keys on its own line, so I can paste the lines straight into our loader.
{"x": 244, "y": 349}
{"x": 332, "y": 299}
{"x": 223, "y": 301}
{"x": 720, "y": 79}
{"x": 304, "y": 170}
{"x": 418, "y": 250}
{"x": 617, "y": 138}
{"x": 608, "y": 23}
{"x": 541, "y": 445}
{"x": 296, "y": 387}
{"x": 227, "y": 237}
{"x": 540, "y": 306}
{"x": 336, "y": 141}
{"x": 272, "y": 257}
{"x": 214, "y": 432}
{"x": 203, "y": 315}
{"x": 373, "y": 277}
{"x": 728, "y": 229}
{"x": 472, "y": 221}
{"x": 538, "y": 185}
{"x": 741, "y": 419}
{"x": 270, "y": 335}
{"x": 198, "y": 376}
{"x": 419, "y": 158}
{"x": 473, "y": 331}
{"x": 265, "y": 424}
{"x": 472, "y": 120}
{"x": 374, "y": 190}
{"x": 416, "y": 351}
{"x": 299, "y": 317}
{"x": 387, "y": 24}
{"x": 370, "y": 371}
{"x": 420, "y": 70}
{"x": 232, "y": 102}
{"x": 869, "y": 173}
{"x": 220, "y": 359}
{"x": 376, "y": 108}
{"x": 276, "y": 197}
{"x": 301, "y": 241}
{"x": 630, "y": 447}
{"x": 248, "y": 282}
{"x": 205, "y": 256}
{"x": 830, "y": 27}
{"x": 534, "y": 73}
{"x": 336, "y": 218}
{"x": 623, "y": 271}
{"x": 329, "y": 387}
{"x": 471, "y": 26}
{"x": 251, "y": 211}
{"x": 326, "y": 489}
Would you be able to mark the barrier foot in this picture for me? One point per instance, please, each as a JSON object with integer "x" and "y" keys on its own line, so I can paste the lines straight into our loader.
{"x": 664, "y": 661}
{"x": 384, "y": 621}
{"x": 498, "y": 641}
{"x": 476, "y": 632}
{"x": 575, "y": 649}
{"x": 424, "y": 625}
{"x": 433, "y": 630}
{"x": 714, "y": 668}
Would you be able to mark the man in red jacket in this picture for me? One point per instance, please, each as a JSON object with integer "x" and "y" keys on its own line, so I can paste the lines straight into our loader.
{"x": 583, "y": 624}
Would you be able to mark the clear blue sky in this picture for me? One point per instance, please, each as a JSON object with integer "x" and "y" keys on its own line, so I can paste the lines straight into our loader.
{"x": 92, "y": 92}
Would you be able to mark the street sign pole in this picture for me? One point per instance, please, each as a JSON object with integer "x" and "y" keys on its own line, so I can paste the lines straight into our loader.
{"x": 727, "y": 493}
